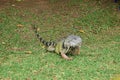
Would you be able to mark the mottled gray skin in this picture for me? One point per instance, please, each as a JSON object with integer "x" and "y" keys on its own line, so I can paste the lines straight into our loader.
{"x": 73, "y": 41}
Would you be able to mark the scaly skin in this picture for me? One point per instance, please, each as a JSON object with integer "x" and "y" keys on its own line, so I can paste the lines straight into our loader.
{"x": 70, "y": 44}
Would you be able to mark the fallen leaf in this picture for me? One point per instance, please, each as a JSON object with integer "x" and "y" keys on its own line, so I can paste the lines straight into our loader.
{"x": 43, "y": 46}
{"x": 20, "y": 25}
{"x": 82, "y": 31}
{"x": 19, "y": 0}
{"x": 13, "y": 5}
{"x": 3, "y": 43}
{"x": 38, "y": 29}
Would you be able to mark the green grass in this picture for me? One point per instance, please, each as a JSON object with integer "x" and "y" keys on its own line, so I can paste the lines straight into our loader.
{"x": 99, "y": 58}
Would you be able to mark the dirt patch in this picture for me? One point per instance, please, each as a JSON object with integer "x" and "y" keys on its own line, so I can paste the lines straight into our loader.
{"x": 42, "y": 5}
{"x": 3, "y": 3}
{"x": 27, "y": 4}
{"x": 39, "y": 4}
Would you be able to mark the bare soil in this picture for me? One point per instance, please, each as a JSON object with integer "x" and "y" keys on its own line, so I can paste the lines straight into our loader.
{"x": 26, "y": 4}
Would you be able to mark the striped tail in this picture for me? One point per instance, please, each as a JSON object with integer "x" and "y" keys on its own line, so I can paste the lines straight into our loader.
{"x": 44, "y": 42}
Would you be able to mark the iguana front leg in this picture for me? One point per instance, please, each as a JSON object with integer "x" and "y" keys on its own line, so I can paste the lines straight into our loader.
{"x": 65, "y": 56}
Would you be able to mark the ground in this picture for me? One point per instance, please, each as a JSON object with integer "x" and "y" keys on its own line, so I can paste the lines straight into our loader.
{"x": 22, "y": 57}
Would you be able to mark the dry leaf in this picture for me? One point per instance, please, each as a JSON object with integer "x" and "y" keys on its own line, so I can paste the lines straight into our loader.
{"x": 82, "y": 31}
{"x": 38, "y": 29}
{"x": 13, "y": 5}
{"x": 43, "y": 46}
{"x": 20, "y": 25}
{"x": 19, "y": 0}
{"x": 3, "y": 43}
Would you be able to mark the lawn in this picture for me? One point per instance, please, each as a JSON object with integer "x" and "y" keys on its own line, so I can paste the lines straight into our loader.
{"x": 22, "y": 57}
